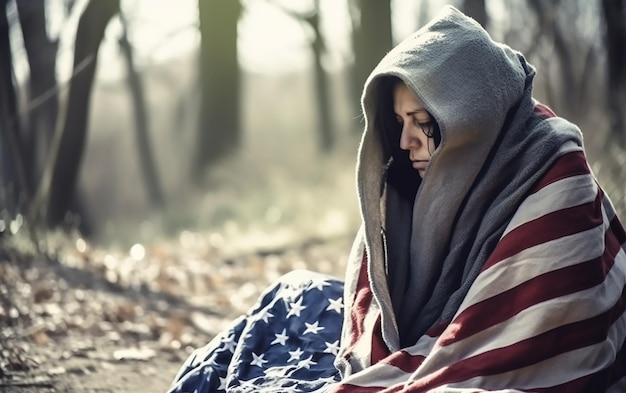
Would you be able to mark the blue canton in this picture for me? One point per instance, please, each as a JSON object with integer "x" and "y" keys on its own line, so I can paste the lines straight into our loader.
{"x": 287, "y": 343}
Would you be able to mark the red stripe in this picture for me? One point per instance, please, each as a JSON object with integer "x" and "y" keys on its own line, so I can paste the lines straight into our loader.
{"x": 568, "y": 165}
{"x": 362, "y": 301}
{"x": 349, "y": 388}
{"x": 405, "y": 361}
{"x": 527, "y": 352}
{"x": 379, "y": 349}
{"x": 436, "y": 330}
{"x": 618, "y": 230}
{"x": 543, "y": 110}
{"x": 550, "y": 285}
{"x": 549, "y": 227}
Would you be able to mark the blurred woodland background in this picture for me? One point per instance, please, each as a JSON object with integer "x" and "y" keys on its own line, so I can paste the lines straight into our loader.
{"x": 124, "y": 121}
{"x": 163, "y": 161}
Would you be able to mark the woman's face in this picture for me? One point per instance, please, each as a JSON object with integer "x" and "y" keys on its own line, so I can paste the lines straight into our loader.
{"x": 415, "y": 123}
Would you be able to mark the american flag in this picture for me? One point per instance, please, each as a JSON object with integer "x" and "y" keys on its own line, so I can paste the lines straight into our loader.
{"x": 287, "y": 343}
{"x": 547, "y": 312}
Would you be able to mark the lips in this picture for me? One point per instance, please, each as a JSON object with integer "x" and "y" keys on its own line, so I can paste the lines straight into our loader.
{"x": 420, "y": 165}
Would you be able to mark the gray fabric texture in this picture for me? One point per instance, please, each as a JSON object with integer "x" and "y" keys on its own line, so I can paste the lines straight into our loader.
{"x": 493, "y": 150}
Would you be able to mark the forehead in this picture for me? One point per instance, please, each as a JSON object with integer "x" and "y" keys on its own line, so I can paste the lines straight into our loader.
{"x": 404, "y": 100}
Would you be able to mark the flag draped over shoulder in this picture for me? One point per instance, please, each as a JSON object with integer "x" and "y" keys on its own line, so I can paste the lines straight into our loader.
{"x": 545, "y": 314}
{"x": 287, "y": 343}
{"x": 503, "y": 269}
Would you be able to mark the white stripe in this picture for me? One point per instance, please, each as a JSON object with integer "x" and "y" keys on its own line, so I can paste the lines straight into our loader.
{"x": 562, "y": 194}
{"x": 559, "y": 369}
{"x": 534, "y": 261}
{"x": 423, "y": 346}
{"x": 380, "y": 374}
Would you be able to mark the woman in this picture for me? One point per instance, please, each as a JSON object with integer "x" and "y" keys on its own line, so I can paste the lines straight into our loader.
{"x": 489, "y": 258}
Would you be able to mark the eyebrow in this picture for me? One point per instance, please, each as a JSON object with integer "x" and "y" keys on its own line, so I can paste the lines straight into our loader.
{"x": 421, "y": 110}
{"x": 416, "y": 112}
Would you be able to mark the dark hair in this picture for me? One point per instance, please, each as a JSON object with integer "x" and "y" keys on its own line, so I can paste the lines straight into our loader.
{"x": 400, "y": 173}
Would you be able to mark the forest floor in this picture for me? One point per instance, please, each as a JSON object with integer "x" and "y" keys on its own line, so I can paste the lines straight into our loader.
{"x": 80, "y": 319}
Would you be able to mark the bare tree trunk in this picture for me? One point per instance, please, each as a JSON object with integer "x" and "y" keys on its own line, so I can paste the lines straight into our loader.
{"x": 546, "y": 17}
{"x": 587, "y": 82}
{"x": 615, "y": 42}
{"x": 372, "y": 39}
{"x": 43, "y": 102}
{"x": 477, "y": 9}
{"x": 326, "y": 129}
{"x": 146, "y": 158}
{"x": 71, "y": 144}
{"x": 14, "y": 175}
{"x": 11, "y": 153}
{"x": 569, "y": 82}
{"x": 219, "y": 126}
{"x": 6, "y": 66}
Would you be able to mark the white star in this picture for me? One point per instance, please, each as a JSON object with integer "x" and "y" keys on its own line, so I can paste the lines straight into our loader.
{"x": 312, "y": 328}
{"x": 288, "y": 389}
{"x": 229, "y": 343}
{"x": 257, "y": 360}
{"x": 335, "y": 304}
{"x": 266, "y": 316}
{"x": 213, "y": 360}
{"x": 222, "y": 384}
{"x": 295, "y": 355}
{"x": 320, "y": 285}
{"x": 307, "y": 363}
{"x": 295, "y": 308}
{"x": 326, "y": 382}
{"x": 247, "y": 386}
{"x": 332, "y": 347}
{"x": 281, "y": 338}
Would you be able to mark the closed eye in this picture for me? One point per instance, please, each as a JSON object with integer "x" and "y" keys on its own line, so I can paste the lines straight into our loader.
{"x": 426, "y": 126}
{"x": 422, "y": 123}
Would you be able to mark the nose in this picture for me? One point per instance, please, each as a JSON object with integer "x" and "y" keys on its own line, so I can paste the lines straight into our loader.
{"x": 408, "y": 141}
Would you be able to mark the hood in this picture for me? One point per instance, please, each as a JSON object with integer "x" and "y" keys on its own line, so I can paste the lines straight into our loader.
{"x": 465, "y": 80}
